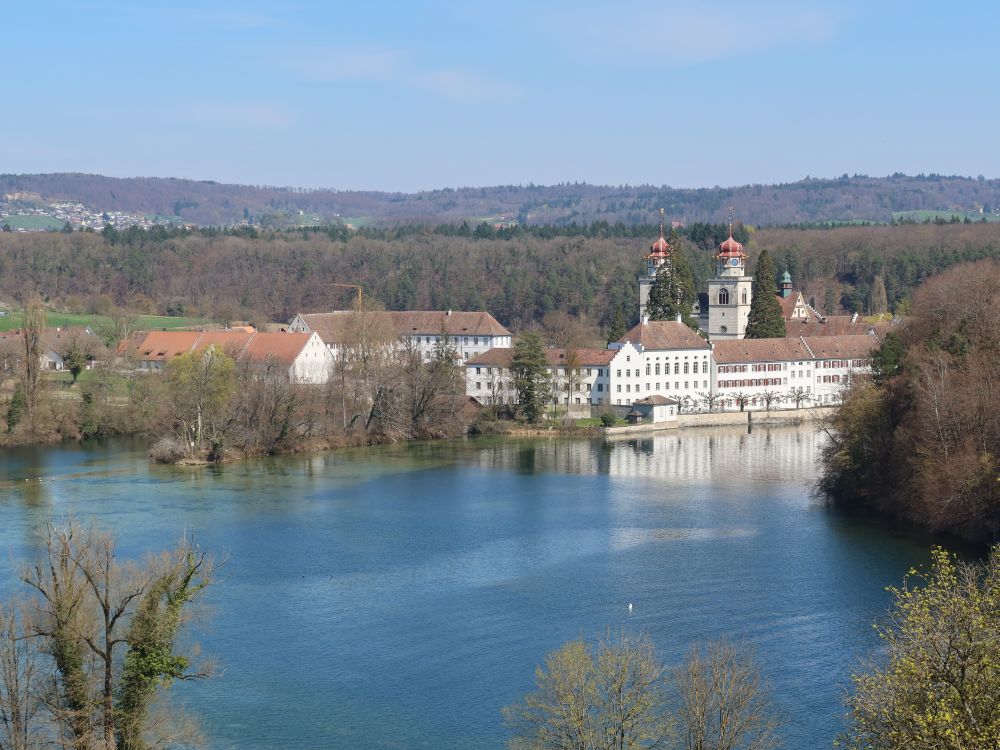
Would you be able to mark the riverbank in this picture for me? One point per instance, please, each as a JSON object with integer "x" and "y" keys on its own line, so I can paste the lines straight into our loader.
{"x": 784, "y": 417}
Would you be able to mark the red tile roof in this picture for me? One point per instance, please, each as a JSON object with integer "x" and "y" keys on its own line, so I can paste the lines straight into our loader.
{"x": 161, "y": 346}
{"x": 729, "y": 351}
{"x": 280, "y": 347}
{"x": 836, "y": 325}
{"x": 837, "y": 347}
{"x": 501, "y": 357}
{"x": 664, "y": 334}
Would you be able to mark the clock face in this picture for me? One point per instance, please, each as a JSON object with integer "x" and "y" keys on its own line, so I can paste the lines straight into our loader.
{"x": 734, "y": 262}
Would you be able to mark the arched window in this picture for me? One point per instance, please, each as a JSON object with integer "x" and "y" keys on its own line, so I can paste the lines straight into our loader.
{"x": 723, "y": 296}
{"x": 744, "y": 296}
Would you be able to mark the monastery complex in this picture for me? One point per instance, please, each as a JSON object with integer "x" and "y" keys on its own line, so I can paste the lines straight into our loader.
{"x": 655, "y": 364}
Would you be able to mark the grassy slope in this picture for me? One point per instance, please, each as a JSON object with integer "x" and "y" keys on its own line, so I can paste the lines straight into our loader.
{"x": 14, "y": 320}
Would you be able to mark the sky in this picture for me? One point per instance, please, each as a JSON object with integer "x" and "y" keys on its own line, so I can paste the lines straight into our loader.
{"x": 419, "y": 96}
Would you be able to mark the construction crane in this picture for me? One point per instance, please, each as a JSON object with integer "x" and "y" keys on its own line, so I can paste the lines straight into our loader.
{"x": 351, "y": 286}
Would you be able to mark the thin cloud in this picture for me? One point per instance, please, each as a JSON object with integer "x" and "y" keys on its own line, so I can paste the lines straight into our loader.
{"x": 685, "y": 34}
{"x": 397, "y": 68}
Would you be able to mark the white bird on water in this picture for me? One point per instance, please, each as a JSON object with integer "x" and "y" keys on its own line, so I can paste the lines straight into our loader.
{"x": 630, "y": 606}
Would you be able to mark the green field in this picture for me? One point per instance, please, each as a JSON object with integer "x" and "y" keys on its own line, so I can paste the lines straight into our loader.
{"x": 921, "y": 216}
{"x": 31, "y": 222}
{"x": 357, "y": 221}
{"x": 15, "y": 319}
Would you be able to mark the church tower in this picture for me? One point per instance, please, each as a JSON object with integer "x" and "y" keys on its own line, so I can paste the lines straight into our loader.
{"x": 659, "y": 255}
{"x": 729, "y": 292}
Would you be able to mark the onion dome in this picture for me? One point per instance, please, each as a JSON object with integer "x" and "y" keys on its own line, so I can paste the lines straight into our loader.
{"x": 660, "y": 248}
{"x": 786, "y": 278}
{"x": 731, "y": 248}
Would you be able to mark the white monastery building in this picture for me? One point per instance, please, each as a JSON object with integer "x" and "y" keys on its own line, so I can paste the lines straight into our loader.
{"x": 470, "y": 333}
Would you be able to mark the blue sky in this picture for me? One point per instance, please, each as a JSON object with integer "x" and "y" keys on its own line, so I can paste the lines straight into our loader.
{"x": 444, "y": 94}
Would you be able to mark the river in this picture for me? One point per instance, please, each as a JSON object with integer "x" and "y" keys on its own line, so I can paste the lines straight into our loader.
{"x": 398, "y": 597}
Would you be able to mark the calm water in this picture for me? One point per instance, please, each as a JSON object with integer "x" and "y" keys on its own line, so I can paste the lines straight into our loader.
{"x": 398, "y": 597}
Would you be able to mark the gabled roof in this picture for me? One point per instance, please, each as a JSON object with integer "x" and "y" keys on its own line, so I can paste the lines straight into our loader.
{"x": 788, "y": 305}
{"x": 280, "y": 347}
{"x": 656, "y": 400}
{"x": 165, "y": 345}
{"x": 501, "y": 357}
{"x": 835, "y": 347}
{"x": 836, "y": 325}
{"x": 660, "y": 335}
{"x": 332, "y": 327}
{"x": 738, "y": 351}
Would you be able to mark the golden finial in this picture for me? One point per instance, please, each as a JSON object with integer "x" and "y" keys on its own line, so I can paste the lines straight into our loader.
{"x": 730, "y": 222}
{"x": 661, "y": 223}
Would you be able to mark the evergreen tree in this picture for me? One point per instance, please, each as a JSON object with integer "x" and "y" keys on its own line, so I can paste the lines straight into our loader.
{"x": 672, "y": 291}
{"x": 766, "y": 320}
{"x": 529, "y": 369}
{"x": 878, "y": 302}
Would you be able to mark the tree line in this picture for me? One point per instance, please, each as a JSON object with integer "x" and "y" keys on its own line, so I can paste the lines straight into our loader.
{"x": 521, "y": 279}
{"x": 207, "y": 403}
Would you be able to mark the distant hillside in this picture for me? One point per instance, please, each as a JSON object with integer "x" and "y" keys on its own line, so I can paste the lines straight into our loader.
{"x": 847, "y": 199}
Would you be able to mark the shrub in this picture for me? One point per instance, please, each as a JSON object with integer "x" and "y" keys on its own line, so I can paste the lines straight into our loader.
{"x": 167, "y": 451}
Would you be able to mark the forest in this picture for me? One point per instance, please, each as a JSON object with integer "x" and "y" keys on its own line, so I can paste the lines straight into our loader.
{"x": 519, "y": 275}
{"x": 921, "y": 441}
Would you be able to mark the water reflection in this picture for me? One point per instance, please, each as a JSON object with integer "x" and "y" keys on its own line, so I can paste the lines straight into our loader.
{"x": 399, "y": 596}
{"x": 708, "y": 454}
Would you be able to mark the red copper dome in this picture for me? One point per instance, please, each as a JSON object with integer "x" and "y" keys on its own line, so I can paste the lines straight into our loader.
{"x": 660, "y": 248}
{"x": 731, "y": 248}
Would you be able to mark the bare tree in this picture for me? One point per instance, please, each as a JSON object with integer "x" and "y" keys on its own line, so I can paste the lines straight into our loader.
{"x": 742, "y": 398}
{"x": 711, "y": 399}
{"x": 799, "y": 396}
{"x": 771, "y": 397}
{"x": 722, "y": 702}
{"x": 111, "y": 629}
{"x": 611, "y": 700}
{"x": 21, "y": 683}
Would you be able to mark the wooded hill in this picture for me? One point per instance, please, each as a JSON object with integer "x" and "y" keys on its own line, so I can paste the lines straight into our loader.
{"x": 846, "y": 199}
{"x": 921, "y": 441}
{"x": 517, "y": 275}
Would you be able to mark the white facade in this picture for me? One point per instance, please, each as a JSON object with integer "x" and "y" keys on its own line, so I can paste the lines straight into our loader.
{"x": 470, "y": 334}
{"x": 577, "y": 377}
{"x": 313, "y": 364}
{"x": 733, "y": 374}
{"x": 789, "y": 372}
{"x": 680, "y": 374}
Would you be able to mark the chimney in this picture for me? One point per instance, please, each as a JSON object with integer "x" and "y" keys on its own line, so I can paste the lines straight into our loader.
{"x": 854, "y": 318}
{"x": 645, "y": 319}
{"x": 449, "y": 313}
{"x": 679, "y": 317}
